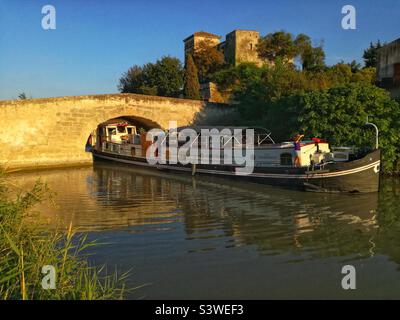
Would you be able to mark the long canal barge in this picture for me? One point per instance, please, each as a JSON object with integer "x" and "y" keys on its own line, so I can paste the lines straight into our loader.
{"x": 310, "y": 165}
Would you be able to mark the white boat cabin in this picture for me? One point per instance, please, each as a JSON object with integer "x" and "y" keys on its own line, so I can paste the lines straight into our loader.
{"x": 118, "y": 132}
{"x": 122, "y": 138}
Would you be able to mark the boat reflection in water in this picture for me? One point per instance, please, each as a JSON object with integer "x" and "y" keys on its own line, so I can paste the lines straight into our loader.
{"x": 272, "y": 219}
{"x": 205, "y": 237}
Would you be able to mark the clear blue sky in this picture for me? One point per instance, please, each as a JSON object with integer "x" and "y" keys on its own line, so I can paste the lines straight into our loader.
{"x": 96, "y": 41}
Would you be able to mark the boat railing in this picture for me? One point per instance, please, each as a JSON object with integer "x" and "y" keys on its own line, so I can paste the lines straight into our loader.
{"x": 318, "y": 167}
{"x": 264, "y": 137}
{"x": 225, "y": 140}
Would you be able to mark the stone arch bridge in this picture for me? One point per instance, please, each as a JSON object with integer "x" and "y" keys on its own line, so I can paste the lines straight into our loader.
{"x": 53, "y": 132}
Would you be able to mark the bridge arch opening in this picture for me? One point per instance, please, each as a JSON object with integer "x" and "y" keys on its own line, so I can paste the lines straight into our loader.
{"x": 126, "y": 123}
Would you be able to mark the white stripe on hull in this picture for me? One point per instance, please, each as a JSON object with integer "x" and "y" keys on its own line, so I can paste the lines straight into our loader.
{"x": 257, "y": 175}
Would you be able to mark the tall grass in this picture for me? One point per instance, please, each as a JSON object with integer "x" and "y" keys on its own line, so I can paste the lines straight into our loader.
{"x": 25, "y": 248}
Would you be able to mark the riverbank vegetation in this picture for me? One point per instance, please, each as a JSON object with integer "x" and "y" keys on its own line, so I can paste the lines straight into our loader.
{"x": 25, "y": 248}
{"x": 333, "y": 102}
{"x": 268, "y": 98}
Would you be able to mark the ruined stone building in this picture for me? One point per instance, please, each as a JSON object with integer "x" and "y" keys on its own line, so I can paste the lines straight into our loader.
{"x": 388, "y": 68}
{"x": 239, "y": 46}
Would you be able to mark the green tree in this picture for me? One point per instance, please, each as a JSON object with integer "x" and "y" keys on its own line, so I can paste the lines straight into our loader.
{"x": 191, "y": 89}
{"x": 339, "y": 114}
{"x": 331, "y": 104}
{"x": 343, "y": 110}
{"x": 282, "y": 45}
{"x": 365, "y": 75}
{"x": 208, "y": 60}
{"x": 238, "y": 76}
{"x": 311, "y": 58}
{"x": 275, "y": 45}
{"x": 302, "y": 42}
{"x": 370, "y": 55}
{"x": 132, "y": 81}
{"x": 355, "y": 66}
{"x": 163, "y": 78}
{"x": 254, "y": 87}
{"x": 167, "y": 76}
{"x": 340, "y": 73}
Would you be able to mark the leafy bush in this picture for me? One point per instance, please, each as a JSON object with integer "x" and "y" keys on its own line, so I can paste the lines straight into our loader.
{"x": 344, "y": 109}
{"x": 333, "y": 104}
{"x": 338, "y": 115}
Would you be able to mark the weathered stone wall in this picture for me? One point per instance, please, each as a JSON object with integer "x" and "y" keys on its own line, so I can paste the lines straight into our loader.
{"x": 53, "y": 132}
{"x": 388, "y": 68}
{"x": 388, "y": 56}
{"x": 246, "y": 46}
{"x": 241, "y": 46}
{"x": 209, "y": 91}
{"x": 193, "y": 42}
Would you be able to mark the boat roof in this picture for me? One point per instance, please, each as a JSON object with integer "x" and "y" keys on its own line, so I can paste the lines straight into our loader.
{"x": 199, "y": 128}
{"x": 119, "y": 124}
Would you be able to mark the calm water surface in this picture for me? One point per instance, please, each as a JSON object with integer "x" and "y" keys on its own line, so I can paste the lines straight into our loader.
{"x": 206, "y": 237}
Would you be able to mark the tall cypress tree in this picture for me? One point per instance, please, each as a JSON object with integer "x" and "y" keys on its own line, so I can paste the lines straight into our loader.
{"x": 191, "y": 89}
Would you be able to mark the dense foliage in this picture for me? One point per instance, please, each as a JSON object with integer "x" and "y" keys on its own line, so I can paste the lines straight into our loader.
{"x": 339, "y": 114}
{"x": 265, "y": 83}
{"x": 208, "y": 60}
{"x": 285, "y": 47}
{"x": 332, "y": 103}
{"x": 163, "y": 78}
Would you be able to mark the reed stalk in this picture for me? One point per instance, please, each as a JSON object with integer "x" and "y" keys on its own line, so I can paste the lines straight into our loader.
{"x": 25, "y": 248}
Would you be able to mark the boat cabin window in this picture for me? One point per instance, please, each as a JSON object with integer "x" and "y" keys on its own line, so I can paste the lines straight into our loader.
{"x": 111, "y": 131}
{"x": 121, "y": 129}
{"x": 286, "y": 159}
{"x": 130, "y": 130}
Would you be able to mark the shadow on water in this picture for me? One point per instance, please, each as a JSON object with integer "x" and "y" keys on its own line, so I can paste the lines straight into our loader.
{"x": 157, "y": 218}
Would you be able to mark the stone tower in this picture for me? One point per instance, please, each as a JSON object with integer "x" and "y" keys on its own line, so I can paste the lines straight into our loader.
{"x": 192, "y": 42}
{"x": 388, "y": 68}
{"x": 241, "y": 46}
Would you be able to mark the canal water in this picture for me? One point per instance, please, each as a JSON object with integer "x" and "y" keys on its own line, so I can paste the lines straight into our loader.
{"x": 200, "y": 237}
